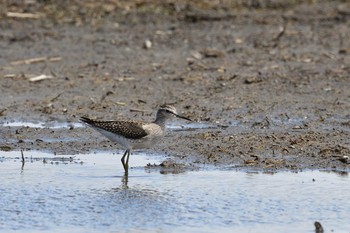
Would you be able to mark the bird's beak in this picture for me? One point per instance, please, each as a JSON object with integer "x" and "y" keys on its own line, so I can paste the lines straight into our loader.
{"x": 182, "y": 117}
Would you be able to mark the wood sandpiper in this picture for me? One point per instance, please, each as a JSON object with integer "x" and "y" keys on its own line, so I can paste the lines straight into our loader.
{"x": 134, "y": 134}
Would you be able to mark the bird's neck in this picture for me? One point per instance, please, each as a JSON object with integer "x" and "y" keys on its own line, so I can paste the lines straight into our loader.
{"x": 160, "y": 121}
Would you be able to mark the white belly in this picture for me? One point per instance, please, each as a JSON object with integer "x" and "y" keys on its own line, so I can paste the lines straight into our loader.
{"x": 126, "y": 143}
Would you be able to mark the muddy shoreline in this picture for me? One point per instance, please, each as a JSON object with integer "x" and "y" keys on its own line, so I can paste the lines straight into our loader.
{"x": 271, "y": 86}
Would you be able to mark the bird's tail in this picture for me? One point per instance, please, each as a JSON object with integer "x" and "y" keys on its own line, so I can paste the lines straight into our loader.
{"x": 87, "y": 120}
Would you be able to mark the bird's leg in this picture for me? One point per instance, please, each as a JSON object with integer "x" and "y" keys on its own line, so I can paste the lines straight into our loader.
{"x": 127, "y": 160}
{"x": 123, "y": 162}
{"x": 125, "y": 181}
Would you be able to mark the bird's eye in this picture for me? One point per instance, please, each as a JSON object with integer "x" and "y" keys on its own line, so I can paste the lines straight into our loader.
{"x": 167, "y": 111}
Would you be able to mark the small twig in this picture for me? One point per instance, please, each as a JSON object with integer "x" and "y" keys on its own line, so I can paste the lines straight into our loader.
{"x": 23, "y": 161}
{"x": 120, "y": 103}
{"x": 9, "y": 75}
{"x": 280, "y": 34}
{"x": 22, "y": 15}
{"x": 278, "y": 37}
{"x": 40, "y": 78}
{"x": 272, "y": 106}
{"x": 36, "y": 60}
{"x": 286, "y": 114}
{"x": 267, "y": 121}
{"x": 137, "y": 110}
{"x": 29, "y": 61}
{"x": 56, "y": 97}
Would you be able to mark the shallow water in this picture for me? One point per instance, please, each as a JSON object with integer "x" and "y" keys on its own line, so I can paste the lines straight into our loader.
{"x": 329, "y": 124}
{"x": 88, "y": 193}
{"x": 40, "y": 125}
{"x": 63, "y": 125}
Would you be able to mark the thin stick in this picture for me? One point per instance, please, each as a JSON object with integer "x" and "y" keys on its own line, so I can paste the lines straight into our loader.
{"x": 22, "y": 15}
{"x": 23, "y": 161}
{"x": 36, "y": 60}
{"x": 29, "y": 61}
{"x": 137, "y": 110}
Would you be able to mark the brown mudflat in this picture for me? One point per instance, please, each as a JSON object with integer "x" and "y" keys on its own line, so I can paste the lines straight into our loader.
{"x": 270, "y": 80}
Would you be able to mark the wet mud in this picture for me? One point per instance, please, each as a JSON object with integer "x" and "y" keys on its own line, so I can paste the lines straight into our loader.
{"x": 267, "y": 85}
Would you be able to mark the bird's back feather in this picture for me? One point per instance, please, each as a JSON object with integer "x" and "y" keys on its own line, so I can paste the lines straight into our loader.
{"x": 127, "y": 129}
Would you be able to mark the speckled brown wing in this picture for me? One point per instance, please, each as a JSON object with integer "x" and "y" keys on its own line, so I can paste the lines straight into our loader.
{"x": 128, "y": 129}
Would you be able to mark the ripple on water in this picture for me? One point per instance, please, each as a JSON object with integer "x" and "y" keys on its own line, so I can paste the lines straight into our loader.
{"x": 94, "y": 196}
